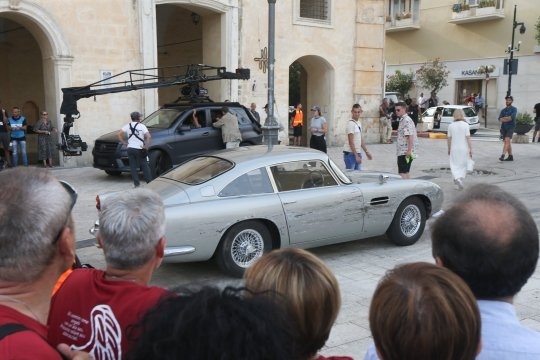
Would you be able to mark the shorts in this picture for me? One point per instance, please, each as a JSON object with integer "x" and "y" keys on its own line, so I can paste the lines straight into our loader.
{"x": 297, "y": 131}
{"x": 403, "y": 166}
{"x": 507, "y": 132}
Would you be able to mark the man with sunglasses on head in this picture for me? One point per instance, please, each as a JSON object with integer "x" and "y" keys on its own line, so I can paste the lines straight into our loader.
{"x": 94, "y": 309}
{"x": 407, "y": 140}
{"x": 37, "y": 244}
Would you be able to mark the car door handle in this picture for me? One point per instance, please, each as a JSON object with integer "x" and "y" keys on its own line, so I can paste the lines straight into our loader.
{"x": 205, "y": 133}
{"x": 289, "y": 202}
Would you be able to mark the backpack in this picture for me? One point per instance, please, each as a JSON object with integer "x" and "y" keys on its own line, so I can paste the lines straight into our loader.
{"x": 11, "y": 328}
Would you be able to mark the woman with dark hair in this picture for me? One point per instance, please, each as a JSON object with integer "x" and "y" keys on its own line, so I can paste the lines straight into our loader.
{"x": 310, "y": 292}
{"x": 424, "y": 311}
{"x": 210, "y": 323}
{"x": 318, "y": 129}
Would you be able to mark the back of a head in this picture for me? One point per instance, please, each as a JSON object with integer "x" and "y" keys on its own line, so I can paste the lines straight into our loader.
{"x": 213, "y": 324}
{"x": 310, "y": 288}
{"x": 34, "y": 208}
{"x": 489, "y": 239}
{"x": 424, "y": 311}
{"x": 459, "y": 114}
{"x": 131, "y": 223}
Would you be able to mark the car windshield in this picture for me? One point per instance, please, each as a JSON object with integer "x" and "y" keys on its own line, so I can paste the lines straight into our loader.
{"x": 469, "y": 112}
{"x": 199, "y": 170}
{"x": 162, "y": 118}
{"x": 342, "y": 177}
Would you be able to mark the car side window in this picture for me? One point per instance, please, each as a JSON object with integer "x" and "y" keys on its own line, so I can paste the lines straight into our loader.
{"x": 298, "y": 175}
{"x": 448, "y": 112}
{"x": 253, "y": 182}
{"x": 242, "y": 116}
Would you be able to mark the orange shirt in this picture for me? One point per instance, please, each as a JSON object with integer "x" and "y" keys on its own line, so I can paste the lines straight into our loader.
{"x": 298, "y": 118}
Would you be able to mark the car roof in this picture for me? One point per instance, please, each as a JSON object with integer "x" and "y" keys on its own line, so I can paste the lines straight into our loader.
{"x": 452, "y": 106}
{"x": 261, "y": 156}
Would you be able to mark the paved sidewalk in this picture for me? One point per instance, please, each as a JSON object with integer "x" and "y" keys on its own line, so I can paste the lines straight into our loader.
{"x": 358, "y": 265}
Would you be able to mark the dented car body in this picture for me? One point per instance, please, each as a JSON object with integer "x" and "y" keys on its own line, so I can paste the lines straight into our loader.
{"x": 234, "y": 205}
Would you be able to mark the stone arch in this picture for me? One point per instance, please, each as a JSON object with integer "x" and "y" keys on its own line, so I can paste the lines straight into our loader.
{"x": 56, "y": 56}
{"x": 318, "y": 80}
{"x": 220, "y": 39}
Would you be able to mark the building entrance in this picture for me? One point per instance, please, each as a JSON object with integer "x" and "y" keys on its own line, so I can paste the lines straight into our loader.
{"x": 465, "y": 88}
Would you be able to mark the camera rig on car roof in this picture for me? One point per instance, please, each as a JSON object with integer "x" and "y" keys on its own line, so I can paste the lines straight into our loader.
{"x": 187, "y": 76}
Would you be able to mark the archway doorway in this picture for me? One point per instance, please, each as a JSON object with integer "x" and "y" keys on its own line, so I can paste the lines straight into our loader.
{"x": 311, "y": 82}
{"x": 22, "y": 77}
{"x": 188, "y": 34}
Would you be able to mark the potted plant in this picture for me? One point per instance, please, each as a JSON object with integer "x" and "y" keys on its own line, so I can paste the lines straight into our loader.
{"x": 456, "y": 8}
{"x": 524, "y": 123}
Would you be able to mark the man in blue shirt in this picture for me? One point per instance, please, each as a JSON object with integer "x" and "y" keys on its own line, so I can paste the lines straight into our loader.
{"x": 507, "y": 118}
{"x": 17, "y": 126}
{"x": 495, "y": 254}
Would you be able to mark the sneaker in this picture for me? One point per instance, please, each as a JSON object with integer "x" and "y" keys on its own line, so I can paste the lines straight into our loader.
{"x": 502, "y": 157}
{"x": 509, "y": 158}
{"x": 459, "y": 184}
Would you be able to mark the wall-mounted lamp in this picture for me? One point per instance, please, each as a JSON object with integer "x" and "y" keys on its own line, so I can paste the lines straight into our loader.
{"x": 195, "y": 18}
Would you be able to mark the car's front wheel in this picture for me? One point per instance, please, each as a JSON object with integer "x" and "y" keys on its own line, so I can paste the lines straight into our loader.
{"x": 159, "y": 163}
{"x": 242, "y": 245}
{"x": 113, "y": 172}
{"x": 408, "y": 223}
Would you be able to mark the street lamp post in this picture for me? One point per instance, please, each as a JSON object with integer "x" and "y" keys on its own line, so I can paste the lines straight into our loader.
{"x": 486, "y": 69}
{"x": 511, "y": 49}
{"x": 271, "y": 127}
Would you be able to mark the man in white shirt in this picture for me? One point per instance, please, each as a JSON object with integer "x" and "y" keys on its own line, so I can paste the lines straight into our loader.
{"x": 355, "y": 140}
{"x": 137, "y": 138}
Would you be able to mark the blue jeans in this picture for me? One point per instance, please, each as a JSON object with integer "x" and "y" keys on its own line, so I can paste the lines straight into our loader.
{"x": 15, "y": 148}
{"x": 350, "y": 161}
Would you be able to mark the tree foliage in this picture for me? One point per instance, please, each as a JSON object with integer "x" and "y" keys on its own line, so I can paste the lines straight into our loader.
{"x": 432, "y": 75}
{"x": 400, "y": 82}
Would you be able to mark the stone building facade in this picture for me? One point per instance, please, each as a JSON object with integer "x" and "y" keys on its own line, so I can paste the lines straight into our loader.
{"x": 51, "y": 44}
{"x": 467, "y": 35}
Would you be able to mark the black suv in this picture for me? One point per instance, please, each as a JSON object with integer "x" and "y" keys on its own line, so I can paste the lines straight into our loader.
{"x": 174, "y": 139}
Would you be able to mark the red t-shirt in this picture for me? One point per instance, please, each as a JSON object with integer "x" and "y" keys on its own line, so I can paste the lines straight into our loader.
{"x": 28, "y": 344}
{"x": 320, "y": 357}
{"x": 92, "y": 313}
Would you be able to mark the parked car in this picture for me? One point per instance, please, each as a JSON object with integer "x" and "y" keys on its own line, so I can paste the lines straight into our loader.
{"x": 174, "y": 140}
{"x": 447, "y": 117}
{"x": 234, "y": 205}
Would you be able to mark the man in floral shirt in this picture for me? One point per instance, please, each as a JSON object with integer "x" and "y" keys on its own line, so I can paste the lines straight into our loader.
{"x": 407, "y": 141}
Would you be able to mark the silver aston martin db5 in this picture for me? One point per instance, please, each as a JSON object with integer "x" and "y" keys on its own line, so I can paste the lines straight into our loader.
{"x": 234, "y": 205}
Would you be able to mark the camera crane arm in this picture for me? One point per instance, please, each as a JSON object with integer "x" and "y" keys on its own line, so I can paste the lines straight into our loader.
{"x": 150, "y": 78}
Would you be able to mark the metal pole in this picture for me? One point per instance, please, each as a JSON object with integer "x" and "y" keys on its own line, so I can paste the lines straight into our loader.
{"x": 271, "y": 127}
{"x": 509, "y": 91}
{"x": 485, "y": 101}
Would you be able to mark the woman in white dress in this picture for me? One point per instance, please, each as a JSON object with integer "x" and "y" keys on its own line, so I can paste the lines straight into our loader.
{"x": 459, "y": 147}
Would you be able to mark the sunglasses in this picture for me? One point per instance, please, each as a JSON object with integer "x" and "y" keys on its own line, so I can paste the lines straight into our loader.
{"x": 73, "y": 195}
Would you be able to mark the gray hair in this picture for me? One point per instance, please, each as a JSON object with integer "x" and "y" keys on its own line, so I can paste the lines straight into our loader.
{"x": 34, "y": 209}
{"x": 135, "y": 115}
{"x": 130, "y": 225}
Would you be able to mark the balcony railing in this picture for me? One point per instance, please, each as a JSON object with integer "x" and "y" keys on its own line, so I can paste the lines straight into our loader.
{"x": 475, "y": 11}
{"x": 402, "y": 22}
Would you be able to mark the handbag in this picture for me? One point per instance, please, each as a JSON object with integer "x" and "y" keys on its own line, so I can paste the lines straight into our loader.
{"x": 470, "y": 164}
